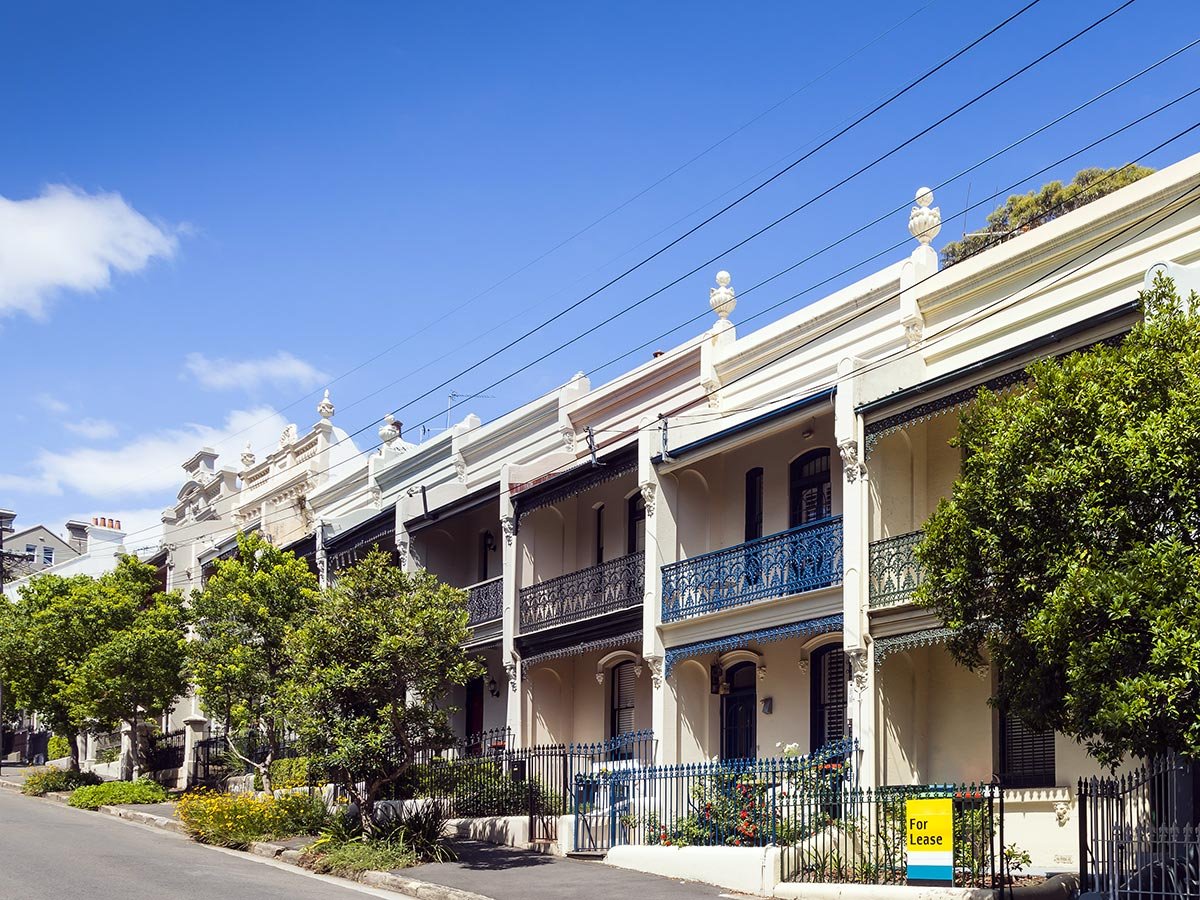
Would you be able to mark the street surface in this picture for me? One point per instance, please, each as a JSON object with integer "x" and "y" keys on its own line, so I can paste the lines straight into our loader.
{"x": 51, "y": 851}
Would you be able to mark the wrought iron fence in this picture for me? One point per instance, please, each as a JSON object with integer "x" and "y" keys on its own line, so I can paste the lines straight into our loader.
{"x": 485, "y": 601}
{"x": 895, "y": 571}
{"x": 214, "y": 761}
{"x": 165, "y": 751}
{"x": 843, "y": 834}
{"x": 800, "y": 559}
{"x": 1138, "y": 835}
{"x": 610, "y": 586}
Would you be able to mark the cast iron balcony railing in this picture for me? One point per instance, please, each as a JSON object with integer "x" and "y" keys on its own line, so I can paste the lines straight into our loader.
{"x": 800, "y": 559}
{"x": 895, "y": 572}
{"x": 611, "y": 586}
{"x": 485, "y": 600}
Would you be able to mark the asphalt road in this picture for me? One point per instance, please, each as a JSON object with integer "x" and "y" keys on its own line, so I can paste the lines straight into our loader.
{"x": 51, "y": 851}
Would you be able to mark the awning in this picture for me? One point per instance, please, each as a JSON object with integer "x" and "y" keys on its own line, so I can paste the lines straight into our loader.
{"x": 608, "y": 643}
{"x": 807, "y": 628}
{"x": 759, "y": 421}
{"x": 946, "y": 392}
{"x": 575, "y": 480}
{"x": 929, "y": 637}
{"x": 469, "y": 503}
{"x": 354, "y": 543}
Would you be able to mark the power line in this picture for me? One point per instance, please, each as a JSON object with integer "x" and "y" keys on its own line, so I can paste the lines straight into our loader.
{"x": 998, "y": 239}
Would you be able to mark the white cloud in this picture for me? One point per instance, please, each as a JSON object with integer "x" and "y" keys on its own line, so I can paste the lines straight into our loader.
{"x": 95, "y": 429}
{"x": 280, "y": 369}
{"x": 149, "y": 463}
{"x": 52, "y": 404}
{"x": 66, "y": 239}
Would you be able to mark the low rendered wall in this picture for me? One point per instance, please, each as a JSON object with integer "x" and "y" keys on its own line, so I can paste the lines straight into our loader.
{"x": 510, "y": 831}
{"x": 796, "y": 891}
{"x": 750, "y": 870}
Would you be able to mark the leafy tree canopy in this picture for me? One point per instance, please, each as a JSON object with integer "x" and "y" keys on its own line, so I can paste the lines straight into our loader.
{"x": 1069, "y": 547}
{"x": 1024, "y": 211}
{"x": 48, "y": 635}
{"x": 238, "y": 662}
{"x": 380, "y": 646}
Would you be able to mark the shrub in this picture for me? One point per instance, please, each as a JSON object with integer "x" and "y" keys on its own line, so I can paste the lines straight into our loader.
{"x": 237, "y": 820}
{"x": 111, "y": 793}
{"x": 286, "y": 774}
{"x": 58, "y": 747}
{"x": 353, "y": 857}
{"x": 420, "y": 828}
{"x": 42, "y": 781}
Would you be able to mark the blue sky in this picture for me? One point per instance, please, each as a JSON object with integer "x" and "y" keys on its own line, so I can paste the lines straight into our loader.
{"x": 209, "y": 212}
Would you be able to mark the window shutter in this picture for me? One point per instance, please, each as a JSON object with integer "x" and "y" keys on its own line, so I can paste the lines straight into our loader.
{"x": 1026, "y": 754}
{"x": 624, "y": 685}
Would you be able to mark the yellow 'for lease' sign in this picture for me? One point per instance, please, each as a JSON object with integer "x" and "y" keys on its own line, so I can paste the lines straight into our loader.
{"x": 929, "y": 829}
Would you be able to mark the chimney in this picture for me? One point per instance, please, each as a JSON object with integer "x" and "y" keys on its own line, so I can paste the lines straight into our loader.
{"x": 77, "y": 535}
{"x": 105, "y": 536}
{"x": 6, "y": 519}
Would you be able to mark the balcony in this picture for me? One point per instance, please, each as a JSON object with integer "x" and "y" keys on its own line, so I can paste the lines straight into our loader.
{"x": 800, "y": 559}
{"x": 895, "y": 572}
{"x": 611, "y": 586}
{"x": 485, "y": 601}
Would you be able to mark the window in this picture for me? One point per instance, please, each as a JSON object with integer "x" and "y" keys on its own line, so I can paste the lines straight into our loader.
{"x": 637, "y": 524}
{"x": 624, "y": 682}
{"x": 1026, "y": 754}
{"x": 487, "y": 545}
{"x": 828, "y": 695}
{"x": 474, "y": 716}
{"x": 31, "y": 550}
{"x": 754, "y": 504}
{"x": 600, "y": 534}
{"x": 47, "y": 556}
{"x": 809, "y": 496}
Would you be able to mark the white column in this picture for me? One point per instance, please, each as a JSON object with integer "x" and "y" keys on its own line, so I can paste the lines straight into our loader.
{"x": 660, "y": 496}
{"x": 195, "y": 728}
{"x": 855, "y": 562}
{"x": 512, "y": 664}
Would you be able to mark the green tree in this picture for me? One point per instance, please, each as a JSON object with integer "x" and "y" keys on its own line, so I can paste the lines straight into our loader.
{"x": 380, "y": 648}
{"x": 139, "y": 669}
{"x": 239, "y": 662}
{"x": 50, "y": 632}
{"x": 1022, "y": 212}
{"x": 1069, "y": 546}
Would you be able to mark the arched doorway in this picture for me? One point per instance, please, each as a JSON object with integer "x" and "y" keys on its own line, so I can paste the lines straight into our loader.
{"x": 739, "y": 712}
{"x": 828, "y": 695}
{"x": 809, "y": 489}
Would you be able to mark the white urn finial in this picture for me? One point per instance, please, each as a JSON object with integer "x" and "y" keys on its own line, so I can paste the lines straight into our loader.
{"x": 925, "y": 221}
{"x": 722, "y": 298}
{"x": 247, "y": 456}
{"x": 325, "y": 409}
{"x": 389, "y": 430}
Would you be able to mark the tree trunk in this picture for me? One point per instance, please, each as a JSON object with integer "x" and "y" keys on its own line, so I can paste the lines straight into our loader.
{"x": 73, "y": 743}
{"x": 265, "y": 768}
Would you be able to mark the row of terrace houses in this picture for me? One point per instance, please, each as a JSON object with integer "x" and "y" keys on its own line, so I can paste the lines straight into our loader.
{"x": 718, "y": 544}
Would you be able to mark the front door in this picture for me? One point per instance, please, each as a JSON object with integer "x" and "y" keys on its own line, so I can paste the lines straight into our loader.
{"x": 474, "y": 713}
{"x": 739, "y": 713}
{"x": 829, "y": 677}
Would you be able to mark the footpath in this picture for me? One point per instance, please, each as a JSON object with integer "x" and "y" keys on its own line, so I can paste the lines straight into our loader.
{"x": 482, "y": 872}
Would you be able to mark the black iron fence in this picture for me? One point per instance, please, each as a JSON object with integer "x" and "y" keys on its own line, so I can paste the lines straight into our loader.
{"x": 1138, "y": 835}
{"x": 165, "y": 751}
{"x": 214, "y": 761}
{"x": 608, "y": 587}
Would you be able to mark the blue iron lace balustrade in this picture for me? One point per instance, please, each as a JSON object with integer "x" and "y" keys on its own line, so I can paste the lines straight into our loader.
{"x": 485, "y": 600}
{"x": 611, "y": 586}
{"x": 895, "y": 572}
{"x": 800, "y": 559}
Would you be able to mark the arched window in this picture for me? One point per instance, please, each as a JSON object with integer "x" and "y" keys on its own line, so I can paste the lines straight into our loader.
{"x": 828, "y": 695}
{"x": 739, "y": 712}
{"x": 621, "y": 702}
{"x": 809, "y": 497}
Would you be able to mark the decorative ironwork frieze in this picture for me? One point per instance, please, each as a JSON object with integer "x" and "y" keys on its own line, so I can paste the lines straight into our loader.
{"x": 608, "y": 643}
{"x": 886, "y": 646}
{"x": 877, "y": 430}
{"x": 584, "y": 477}
{"x": 485, "y": 601}
{"x": 895, "y": 571}
{"x": 614, "y": 585}
{"x": 807, "y": 628}
{"x": 800, "y": 559}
